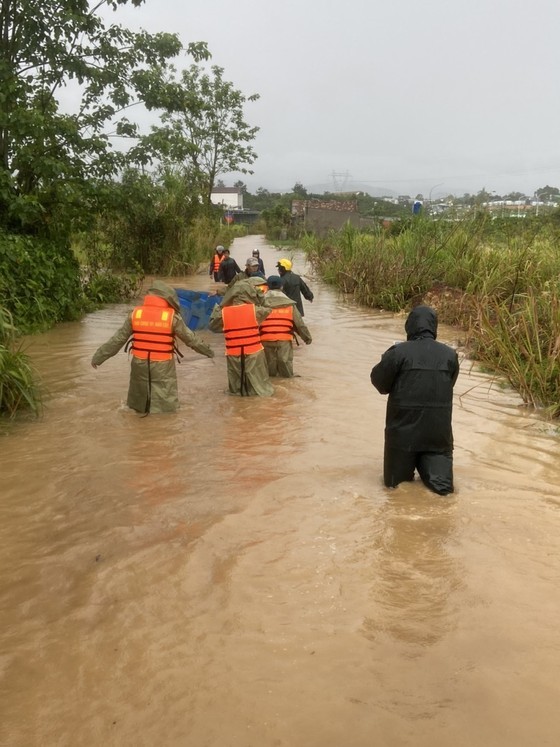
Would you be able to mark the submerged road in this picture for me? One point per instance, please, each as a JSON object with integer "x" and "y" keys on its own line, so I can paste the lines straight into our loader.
{"x": 237, "y": 575}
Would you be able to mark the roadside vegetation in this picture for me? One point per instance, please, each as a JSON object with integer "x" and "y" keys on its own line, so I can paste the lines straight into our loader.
{"x": 499, "y": 283}
{"x": 18, "y": 385}
{"x": 89, "y": 201}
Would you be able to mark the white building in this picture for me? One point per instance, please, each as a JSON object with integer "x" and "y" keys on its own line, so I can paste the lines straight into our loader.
{"x": 230, "y": 198}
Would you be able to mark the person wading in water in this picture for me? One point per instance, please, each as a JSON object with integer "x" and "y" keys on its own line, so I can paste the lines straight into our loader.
{"x": 151, "y": 331}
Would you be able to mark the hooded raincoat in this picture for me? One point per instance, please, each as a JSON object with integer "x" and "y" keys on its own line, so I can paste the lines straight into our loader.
{"x": 228, "y": 269}
{"x": 419, "y": 376}
{"x": 153, "y": 385}
{"x": 280, "y": 353}
{"x": 247, "y": 375}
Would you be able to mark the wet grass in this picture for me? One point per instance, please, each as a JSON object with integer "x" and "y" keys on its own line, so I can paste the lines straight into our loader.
{"x": 521, "y": 341}
{"x": 501, "y": 288}
{"x": 18, "y": 384}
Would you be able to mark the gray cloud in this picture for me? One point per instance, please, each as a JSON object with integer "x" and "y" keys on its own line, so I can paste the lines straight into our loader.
{"x": 402, "y": 95}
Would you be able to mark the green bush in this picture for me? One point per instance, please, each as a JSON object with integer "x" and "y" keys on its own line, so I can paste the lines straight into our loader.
{"x": 18, "y": 386}
{"x": 156, "y": 224}
{"x": 103, "y": 286}
{"x": 39, "y": 282}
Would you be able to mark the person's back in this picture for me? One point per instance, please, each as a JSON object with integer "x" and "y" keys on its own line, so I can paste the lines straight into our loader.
{"x": 277, "y": 331}
{"x": 419, "y": 376}
{"x": 228, "y": 268}
{"x": 293, "y": 285}
{"x": 251, "y": 272}
{"x": 420, "y": 395}
{"x": 151, "y": 330}
{"x": 239, "y": 316}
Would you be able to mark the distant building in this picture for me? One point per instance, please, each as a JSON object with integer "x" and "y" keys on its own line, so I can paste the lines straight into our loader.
{"x": 230, "y": 198}
{"x": 322, "y": 216}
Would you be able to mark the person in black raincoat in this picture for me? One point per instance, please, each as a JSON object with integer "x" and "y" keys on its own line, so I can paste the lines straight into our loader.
{"x": 228, "y": 268}
{"x": 293, "y": 285}
{"x": 419, "y": 376}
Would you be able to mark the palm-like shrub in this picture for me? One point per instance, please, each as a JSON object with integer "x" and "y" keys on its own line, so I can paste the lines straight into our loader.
{"x": 18, "y": 388}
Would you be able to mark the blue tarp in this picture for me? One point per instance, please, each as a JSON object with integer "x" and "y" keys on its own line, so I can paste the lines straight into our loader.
{"x": 196, "y": 307}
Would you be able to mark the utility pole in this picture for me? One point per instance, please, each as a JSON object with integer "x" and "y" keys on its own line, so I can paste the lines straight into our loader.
{"x": 336, "y": 175}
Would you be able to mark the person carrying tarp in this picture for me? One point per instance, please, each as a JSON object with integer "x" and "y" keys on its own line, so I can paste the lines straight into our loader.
{"x": 151, "y": 331}
{"x": 239, "y": 317}
{"x": 419, "y": 376}
{"x": 279, "y": 328}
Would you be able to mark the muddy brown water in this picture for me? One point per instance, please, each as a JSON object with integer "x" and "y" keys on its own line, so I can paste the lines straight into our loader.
{"x": 237, "y": 575}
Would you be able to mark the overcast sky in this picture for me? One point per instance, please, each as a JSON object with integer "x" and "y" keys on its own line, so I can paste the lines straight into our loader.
{"x": 403, "y": 96}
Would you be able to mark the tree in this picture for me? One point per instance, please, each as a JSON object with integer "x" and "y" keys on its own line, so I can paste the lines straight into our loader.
{"x": 482, "y": 196}
{"x": 241, "y": 185}
{"x": 277, "y": 219}
{"x": 203, "y": 126}
{"x": 50, "y": 159}
{"x": 547, "y": 193}
{"x": 149, "y": 223}
{"x": 299, "y": 189}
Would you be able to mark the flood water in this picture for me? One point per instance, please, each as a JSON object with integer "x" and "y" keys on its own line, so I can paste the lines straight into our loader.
{"x": 236, "y": 575}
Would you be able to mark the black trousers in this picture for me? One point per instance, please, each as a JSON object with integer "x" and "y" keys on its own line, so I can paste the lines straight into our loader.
{"x": 435, "y": 469}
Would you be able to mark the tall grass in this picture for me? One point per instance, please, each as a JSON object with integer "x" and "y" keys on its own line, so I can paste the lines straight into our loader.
{"x": 500, "y": 286}
{"x": 521, "y": 341}
{"x": 18, "y": 386}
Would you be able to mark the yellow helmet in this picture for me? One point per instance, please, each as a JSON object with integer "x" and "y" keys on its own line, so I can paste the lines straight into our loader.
{"x": 285, "y": 263}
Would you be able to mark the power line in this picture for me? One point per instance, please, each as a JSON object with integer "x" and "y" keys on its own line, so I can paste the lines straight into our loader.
{"x": 340, "y": 180}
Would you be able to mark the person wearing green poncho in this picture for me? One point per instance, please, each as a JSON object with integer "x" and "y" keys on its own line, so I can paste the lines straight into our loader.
{"x": 239, "y": 316}
{"x": 152, "y": 330}
{"x": 279, "y": 330}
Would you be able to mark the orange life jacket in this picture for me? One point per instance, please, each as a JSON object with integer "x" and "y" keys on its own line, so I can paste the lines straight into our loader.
{"x": 217, "y": 260}
{"x": 152, "y": 330}
{"x": 241, "y": 330}
{"x": 278, "y": 325}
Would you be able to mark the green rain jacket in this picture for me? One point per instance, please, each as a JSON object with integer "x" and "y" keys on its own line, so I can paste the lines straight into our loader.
{"x": 280, "y": 353}
{"x": 163, "y": 390}
{"x": 257, "y": 381}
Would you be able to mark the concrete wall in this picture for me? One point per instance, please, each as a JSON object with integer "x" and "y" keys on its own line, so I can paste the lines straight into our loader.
{"x": 321, "y": 221}
{"x": 344, "y": 206}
